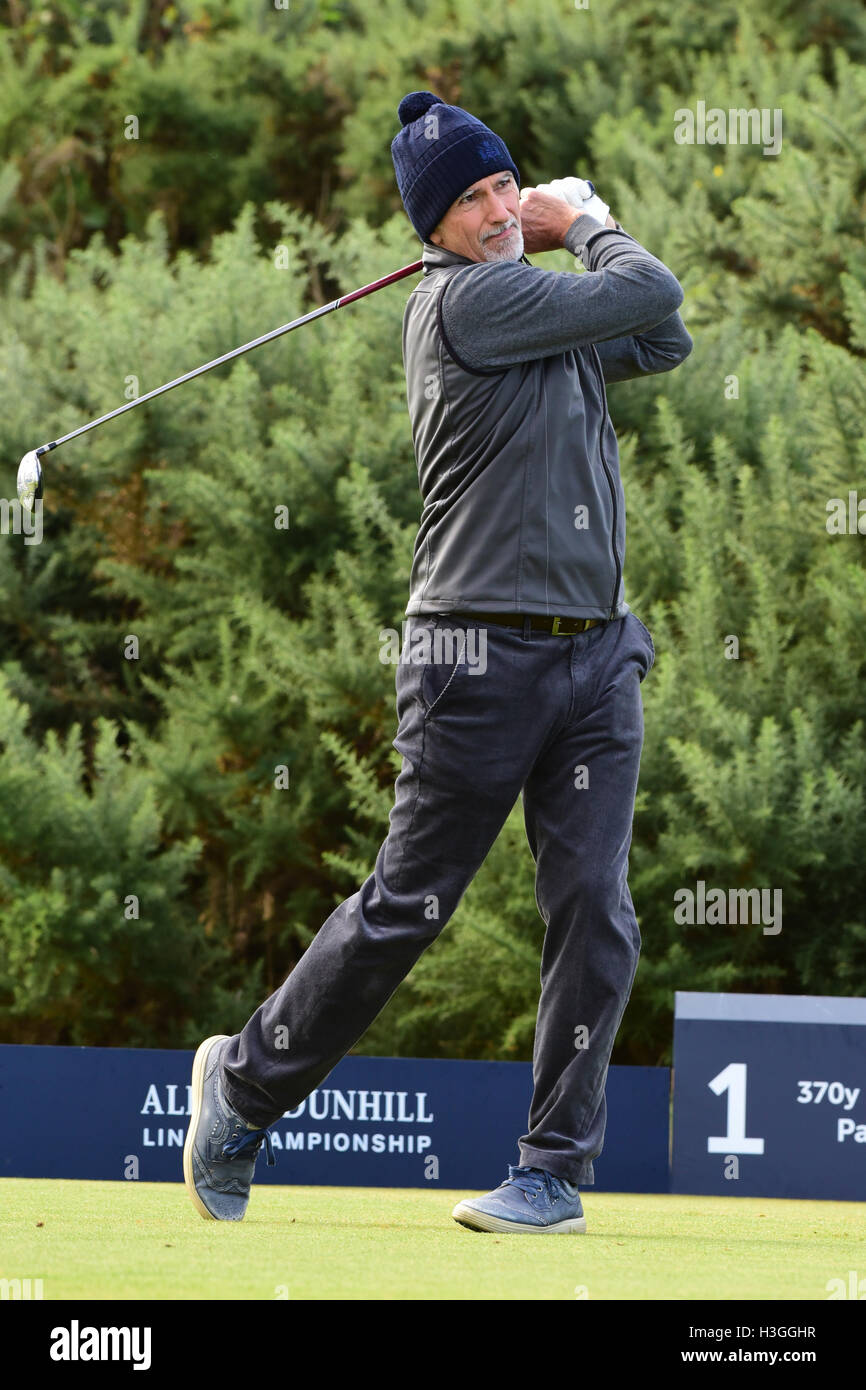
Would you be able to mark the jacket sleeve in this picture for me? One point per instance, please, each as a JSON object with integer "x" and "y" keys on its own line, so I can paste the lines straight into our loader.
{"x": 496, "y": 314}
{"x": 642, "y": 354}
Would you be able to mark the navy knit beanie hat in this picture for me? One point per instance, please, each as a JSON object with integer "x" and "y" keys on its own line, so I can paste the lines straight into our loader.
{"x": 440, "y": 151}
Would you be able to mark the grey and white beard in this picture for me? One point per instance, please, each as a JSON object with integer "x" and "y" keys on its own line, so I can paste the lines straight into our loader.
{"x": 510, "y": 250}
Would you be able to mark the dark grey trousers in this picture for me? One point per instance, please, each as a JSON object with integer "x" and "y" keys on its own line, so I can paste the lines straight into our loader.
{"x": 559, "y": 719}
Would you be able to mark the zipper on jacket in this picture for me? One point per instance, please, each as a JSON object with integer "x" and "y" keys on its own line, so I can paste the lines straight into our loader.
{"x": 608, "y": 475}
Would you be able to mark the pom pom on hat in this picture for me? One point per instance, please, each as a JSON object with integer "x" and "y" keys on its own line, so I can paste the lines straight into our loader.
{"x": 415, "y": 105}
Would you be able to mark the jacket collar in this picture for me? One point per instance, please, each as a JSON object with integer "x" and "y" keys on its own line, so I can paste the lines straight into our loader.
{"x": 437, "y": 257}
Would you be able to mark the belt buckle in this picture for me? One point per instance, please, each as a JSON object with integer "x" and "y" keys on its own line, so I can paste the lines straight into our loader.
{"x": 557, "y": 628}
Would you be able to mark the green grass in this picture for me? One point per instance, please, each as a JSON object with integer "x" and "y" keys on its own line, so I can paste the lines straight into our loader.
{"x": 144, "y": 1240}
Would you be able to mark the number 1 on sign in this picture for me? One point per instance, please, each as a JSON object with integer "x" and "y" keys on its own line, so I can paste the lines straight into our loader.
{"x": 733, "y": 1080}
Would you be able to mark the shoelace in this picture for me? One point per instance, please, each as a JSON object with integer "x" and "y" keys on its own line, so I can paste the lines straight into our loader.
{"x": 252, "y": 1136}
{"x": 530, "y": 1180}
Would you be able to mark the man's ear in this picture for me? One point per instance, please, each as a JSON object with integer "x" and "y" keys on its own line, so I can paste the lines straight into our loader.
{"x": 435, "y": 237}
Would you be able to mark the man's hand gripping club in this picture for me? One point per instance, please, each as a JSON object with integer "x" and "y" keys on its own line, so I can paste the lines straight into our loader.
{"x": 547, "y": 212}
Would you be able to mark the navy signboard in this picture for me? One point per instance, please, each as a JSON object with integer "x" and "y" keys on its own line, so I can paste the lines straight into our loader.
{"x": 770, "y": 1096}
{"x": 375, "y": 1122}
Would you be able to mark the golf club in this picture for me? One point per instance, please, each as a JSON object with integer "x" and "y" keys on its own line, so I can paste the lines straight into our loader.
{"x": 30, "y": 483}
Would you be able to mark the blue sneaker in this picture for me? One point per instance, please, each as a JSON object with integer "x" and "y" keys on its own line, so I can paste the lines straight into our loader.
{"x": 221, "y": 1150}
{"x": 531, "y": 1200}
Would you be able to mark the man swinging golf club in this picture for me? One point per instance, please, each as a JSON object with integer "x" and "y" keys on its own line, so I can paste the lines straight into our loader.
{"x": 522, "y": 540}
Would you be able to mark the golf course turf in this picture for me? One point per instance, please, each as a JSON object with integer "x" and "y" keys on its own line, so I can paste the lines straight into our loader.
{"x": 135, "y": 1240}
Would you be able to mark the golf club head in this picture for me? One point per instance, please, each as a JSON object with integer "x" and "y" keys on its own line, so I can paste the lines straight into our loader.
{"x": 29, "y": 480}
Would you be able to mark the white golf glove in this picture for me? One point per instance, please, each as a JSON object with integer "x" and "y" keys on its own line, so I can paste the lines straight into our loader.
{"x": 580, "y": 193}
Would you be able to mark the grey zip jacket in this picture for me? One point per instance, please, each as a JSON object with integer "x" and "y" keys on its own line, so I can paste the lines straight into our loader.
{"x": 518, "y": 465}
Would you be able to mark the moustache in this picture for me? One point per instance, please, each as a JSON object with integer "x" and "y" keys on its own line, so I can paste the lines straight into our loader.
{"x": 509, "y": 226}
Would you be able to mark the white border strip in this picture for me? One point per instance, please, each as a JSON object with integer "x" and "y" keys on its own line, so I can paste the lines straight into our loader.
{"x": 769, "y": 1008}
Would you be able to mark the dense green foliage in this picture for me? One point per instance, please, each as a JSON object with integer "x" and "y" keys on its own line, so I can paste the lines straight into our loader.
{"x": 260, "y": 185}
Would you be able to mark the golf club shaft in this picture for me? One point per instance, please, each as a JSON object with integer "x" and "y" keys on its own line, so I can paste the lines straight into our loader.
{"x": 228, "y": 356}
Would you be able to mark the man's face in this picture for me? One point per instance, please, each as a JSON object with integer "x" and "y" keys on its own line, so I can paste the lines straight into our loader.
{"x": 484, "y": 222}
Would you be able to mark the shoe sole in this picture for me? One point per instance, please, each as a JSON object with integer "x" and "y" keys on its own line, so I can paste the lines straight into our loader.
{"x": 199, "y": 1067}
{"x": 474, "y": 1220}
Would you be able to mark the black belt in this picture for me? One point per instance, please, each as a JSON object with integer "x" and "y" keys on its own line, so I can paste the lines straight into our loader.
{"x": 562, "y": 627}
